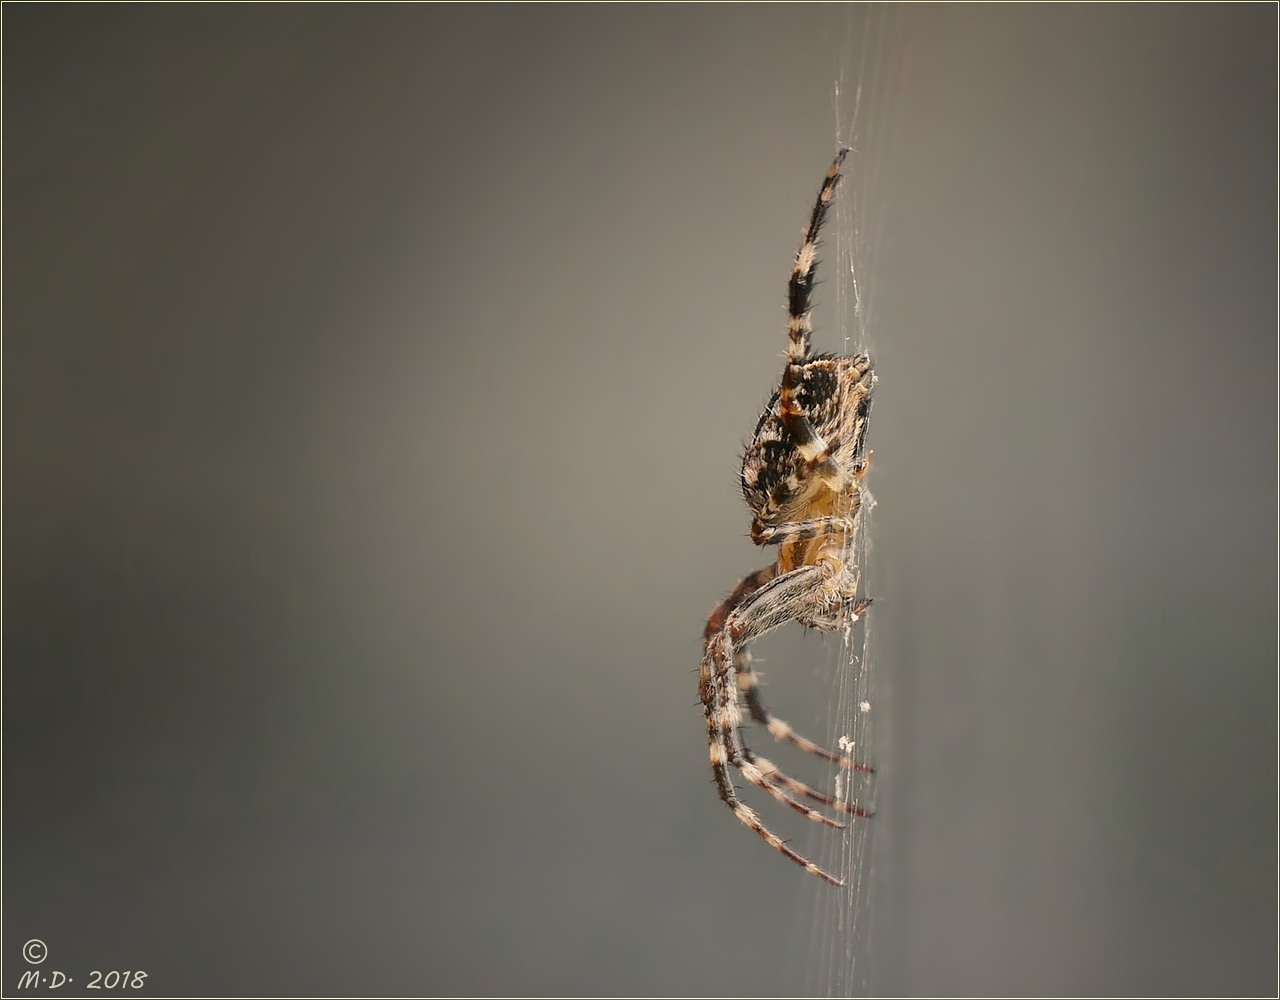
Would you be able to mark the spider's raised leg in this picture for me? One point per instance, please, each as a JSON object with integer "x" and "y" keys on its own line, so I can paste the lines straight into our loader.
{"x": 800, "y": 287}
{"x": 812, "y": 447}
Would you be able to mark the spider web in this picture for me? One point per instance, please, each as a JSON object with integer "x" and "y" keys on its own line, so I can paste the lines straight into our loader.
{"x": 843, "y": 919}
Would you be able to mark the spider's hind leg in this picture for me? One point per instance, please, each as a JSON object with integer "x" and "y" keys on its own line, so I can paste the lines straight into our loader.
{"x": 749, "y": 687}
{"x": 720, "y": 705}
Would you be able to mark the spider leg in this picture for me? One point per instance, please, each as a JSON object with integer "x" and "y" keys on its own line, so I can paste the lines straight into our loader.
{"x": 745, "y": 588}
{"x": 762, "y": 602}
{"x": 783, "y": 598}
{"x": 835, "y": 597}
{"x": 728, "y": 745}
{"x": 770, "y": 771}
{"x": 800, "y": 287}
{"x": 749, "y": 686}
{"x": 719, "y": 697}
{"x": 767, "y": 529}
{"x": 810, "y": 443}
{"x": 748, "y": 682}
{"x": 719, "y": 701}
{"x": 763, "y": 533}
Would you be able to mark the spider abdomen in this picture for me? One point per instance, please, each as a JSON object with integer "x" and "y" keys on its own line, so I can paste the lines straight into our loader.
{"x": 835, "y": 395}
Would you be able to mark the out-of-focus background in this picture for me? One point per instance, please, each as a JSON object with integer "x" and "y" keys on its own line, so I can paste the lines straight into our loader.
{"x": 374, "y": 381}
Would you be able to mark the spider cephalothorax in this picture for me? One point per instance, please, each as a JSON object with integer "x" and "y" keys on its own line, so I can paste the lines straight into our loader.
{"x": 801, "y": 477}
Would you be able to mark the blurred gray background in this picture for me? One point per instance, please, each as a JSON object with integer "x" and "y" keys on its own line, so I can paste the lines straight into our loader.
{"x": 374, "y": 380}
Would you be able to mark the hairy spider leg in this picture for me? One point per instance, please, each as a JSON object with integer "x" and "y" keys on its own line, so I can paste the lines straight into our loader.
{"x": 762, "y": 602}
{"x": 726, "y": 745}
{"x": 711, "y": 690}
{"x": 763, "y": 533}
{"x": 800, "y": 287}
{"x": 809, "y": 442}
{"x": 720, "y": 704}
{"x": 749, "y": 686}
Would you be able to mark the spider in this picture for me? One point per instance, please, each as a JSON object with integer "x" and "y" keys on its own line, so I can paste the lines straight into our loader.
{"x": 801, "y": 477}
